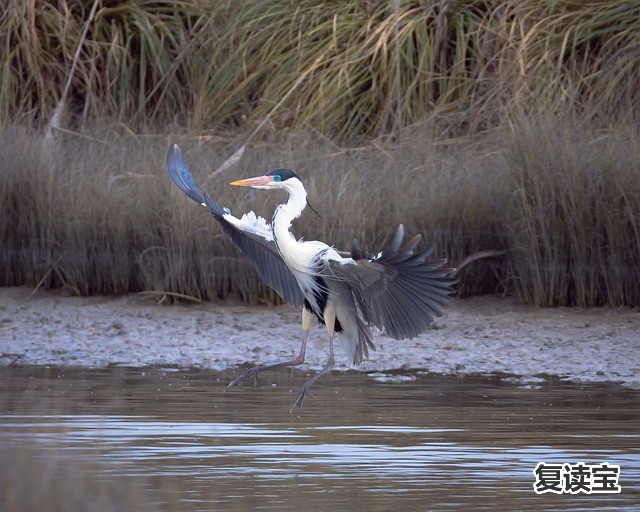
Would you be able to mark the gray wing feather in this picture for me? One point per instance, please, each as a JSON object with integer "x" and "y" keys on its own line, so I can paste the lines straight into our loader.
{"x": 261, "y": 252}
{"x": 179, "y": 173}
{"x": 398, "y": 291}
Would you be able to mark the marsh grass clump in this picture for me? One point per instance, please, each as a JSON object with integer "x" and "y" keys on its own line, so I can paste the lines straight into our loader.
{"x": 104, "y": 217}
{"x": 575, "y": 210}
{"x": 99, "y": 215}
{"x": 371, "y": 69}
{"x": 486, "y": 125}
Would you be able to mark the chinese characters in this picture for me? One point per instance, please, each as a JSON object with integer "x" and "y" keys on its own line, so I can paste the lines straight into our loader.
{"x": 576, "y": 478}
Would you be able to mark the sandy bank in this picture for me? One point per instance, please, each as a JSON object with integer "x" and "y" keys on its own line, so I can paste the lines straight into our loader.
{"x": 478, "y": 335}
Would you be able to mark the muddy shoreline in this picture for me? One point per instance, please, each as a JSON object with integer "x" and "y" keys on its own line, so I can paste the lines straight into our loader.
{"x": 478, "y": 335}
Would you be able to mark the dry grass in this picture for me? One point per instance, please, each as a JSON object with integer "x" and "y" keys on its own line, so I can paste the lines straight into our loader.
{"x": 104, "y": 218}
{"x": 221, "y": 65}
{"x": 526, "y": 149}
{"x": 575, "y": 232}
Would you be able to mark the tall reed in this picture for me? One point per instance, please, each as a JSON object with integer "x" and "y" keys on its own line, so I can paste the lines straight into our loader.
{"x": 104, "y": 218}
{"x": 219, "y": 65}
{"x": 484, "y": 124}
{"x": 575, "y": 226}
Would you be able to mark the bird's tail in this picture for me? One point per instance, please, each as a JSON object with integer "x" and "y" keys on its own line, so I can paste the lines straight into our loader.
{"x": 356, "y": 340}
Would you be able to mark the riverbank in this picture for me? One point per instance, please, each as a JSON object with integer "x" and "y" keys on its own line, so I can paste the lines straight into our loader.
{"x": 478, "y": 335}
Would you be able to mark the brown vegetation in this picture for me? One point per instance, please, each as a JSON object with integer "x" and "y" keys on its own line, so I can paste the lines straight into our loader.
{"x": 218, "y": 64}
{"x": 104, "y": 218}
{"x": 484, "y": 125}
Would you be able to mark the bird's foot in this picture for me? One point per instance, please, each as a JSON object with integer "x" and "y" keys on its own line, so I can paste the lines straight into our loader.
{"x": 304, "y": 391}
{"x": 251, "y": 373}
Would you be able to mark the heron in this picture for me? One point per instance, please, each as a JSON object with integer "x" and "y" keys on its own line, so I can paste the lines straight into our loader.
{"x": 397, "y": 291}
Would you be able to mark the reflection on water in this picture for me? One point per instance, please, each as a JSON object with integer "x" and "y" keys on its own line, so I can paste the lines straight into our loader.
{"x": 182, "y": 441}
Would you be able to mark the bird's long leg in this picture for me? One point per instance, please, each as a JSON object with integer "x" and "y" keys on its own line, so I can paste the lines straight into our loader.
{"x": 307, "y": 320}
{"x": 330, "y": 320}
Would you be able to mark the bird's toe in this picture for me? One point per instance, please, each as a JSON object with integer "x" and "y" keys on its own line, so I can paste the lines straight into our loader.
{"x": 239, "y": 381}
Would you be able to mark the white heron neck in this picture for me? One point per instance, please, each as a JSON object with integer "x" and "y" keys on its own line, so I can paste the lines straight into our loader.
{"x": 297, "y": 255}
{"x": 286, "y": 213}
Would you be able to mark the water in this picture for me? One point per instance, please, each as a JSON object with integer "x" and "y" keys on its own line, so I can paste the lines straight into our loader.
{"x": 169, "y": 439}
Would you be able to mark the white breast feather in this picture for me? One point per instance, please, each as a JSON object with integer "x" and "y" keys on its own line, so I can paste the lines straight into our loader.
{"x": 251, "y": 223}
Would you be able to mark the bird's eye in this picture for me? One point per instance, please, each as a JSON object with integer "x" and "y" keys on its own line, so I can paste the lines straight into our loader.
{"x": 276, "y": 178}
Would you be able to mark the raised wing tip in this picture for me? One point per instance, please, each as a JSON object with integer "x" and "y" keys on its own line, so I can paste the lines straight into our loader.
{"x": 179, "y": 172}
{"x": 174, "y": 156}
{"x": 176, "y": 164}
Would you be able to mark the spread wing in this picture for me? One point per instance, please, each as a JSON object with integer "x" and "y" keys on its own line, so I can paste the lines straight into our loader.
{"x": 399, "y": 290}
{"x": 251, "y": 234}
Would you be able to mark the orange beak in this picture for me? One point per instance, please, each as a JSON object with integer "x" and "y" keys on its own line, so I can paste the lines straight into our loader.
{"x": 259, "y": 181}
